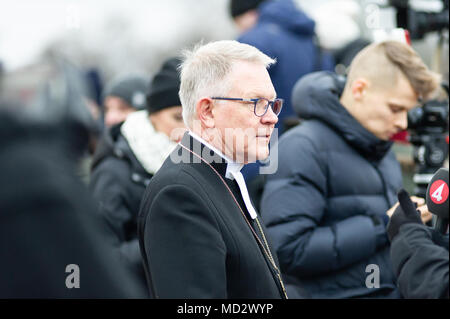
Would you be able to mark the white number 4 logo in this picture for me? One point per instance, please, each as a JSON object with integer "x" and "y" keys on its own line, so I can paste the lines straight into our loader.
{"x": 438, "y": 193}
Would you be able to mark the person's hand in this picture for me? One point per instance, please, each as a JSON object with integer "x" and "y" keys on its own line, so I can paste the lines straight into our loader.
{"x": 425, "y": 214}
{"x": 391, "y": 210}
{"x": 405, "y": 212}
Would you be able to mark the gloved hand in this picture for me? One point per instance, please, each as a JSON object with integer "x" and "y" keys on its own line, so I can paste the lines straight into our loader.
{"x": 405, "y": 213}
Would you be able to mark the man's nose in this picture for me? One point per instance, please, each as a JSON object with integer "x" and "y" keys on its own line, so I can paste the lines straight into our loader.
{"x": 401, "y": 121}
{"x": 270, "y": 117}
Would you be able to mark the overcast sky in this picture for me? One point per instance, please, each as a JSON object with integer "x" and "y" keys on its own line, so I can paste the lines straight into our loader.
{"x": 120, "y": 36}
{"x": 27, "y": 26}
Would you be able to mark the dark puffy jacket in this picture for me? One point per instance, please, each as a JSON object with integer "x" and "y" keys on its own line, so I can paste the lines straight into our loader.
{"x": 286, "y": 33}
{"x": 118, "y": 182}
{"x": 420, "y": 259}
{"x": 325, "y": 207}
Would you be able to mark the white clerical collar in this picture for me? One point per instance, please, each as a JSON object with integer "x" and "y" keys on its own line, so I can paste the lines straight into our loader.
{"x": 233, "y": 172}
{"x": 232, "y": 166}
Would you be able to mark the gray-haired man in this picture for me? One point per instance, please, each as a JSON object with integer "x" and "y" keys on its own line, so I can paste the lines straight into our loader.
{"x": 199, "y": 232}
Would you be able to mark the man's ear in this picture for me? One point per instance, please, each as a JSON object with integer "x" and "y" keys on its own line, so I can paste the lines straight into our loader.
{"x": 204, "y": 109}
{"x": 359, "y": 88}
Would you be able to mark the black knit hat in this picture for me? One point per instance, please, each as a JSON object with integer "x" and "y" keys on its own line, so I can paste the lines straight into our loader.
{"x": 238, "y": 7}
{"x": 131, "y": 89}
{"x": 164, "y": 88}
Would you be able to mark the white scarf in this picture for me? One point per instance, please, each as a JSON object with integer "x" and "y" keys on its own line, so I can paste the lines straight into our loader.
{"x": 150, "y": 147}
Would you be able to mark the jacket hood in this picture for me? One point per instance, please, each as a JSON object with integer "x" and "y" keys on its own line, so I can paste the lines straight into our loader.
{"x": 316, "y": 96}
{"x": 287, "y": 15}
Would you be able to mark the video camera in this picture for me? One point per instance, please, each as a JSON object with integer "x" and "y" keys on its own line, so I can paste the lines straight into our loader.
{"x": 420, "y": 22}
{"x": 429, "y": 128}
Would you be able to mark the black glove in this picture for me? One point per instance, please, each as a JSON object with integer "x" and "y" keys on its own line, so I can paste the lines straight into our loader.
{"x": 404, "y": 213}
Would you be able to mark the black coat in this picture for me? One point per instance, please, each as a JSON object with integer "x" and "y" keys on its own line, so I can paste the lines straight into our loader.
{"x": 195, "y": 241}
{"x": 420, "y": 259}
{"x": 48, "y": 221}
{"x": 325, "y": 207}
{"x": 118, "y": 183}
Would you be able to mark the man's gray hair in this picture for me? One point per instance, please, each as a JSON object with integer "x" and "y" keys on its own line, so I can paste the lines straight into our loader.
{"x": 205, "y": 69}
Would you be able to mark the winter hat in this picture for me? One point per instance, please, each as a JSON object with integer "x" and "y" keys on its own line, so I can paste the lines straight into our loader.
{"x": 131, "y": 89}
{"x": 164, "y": 88}
{"x": 238, "y": 7}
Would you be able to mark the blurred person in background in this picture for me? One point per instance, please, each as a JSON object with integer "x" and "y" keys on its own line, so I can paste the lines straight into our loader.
{"x": 328, "y": 204}
{"x": 284, "y": 32}
{"x": 123, "y": 96}
{"x": 280, "y": 29}
{"x": 130, "y": 153}
{"x": 52, "y": 243}
{"x": 92, "y": 100}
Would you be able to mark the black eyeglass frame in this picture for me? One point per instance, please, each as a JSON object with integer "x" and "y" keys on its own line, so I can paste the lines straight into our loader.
{"x": 254, "y": 101}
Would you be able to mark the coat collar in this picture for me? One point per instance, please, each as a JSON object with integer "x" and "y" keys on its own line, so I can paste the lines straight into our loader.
{"x": 232, "y": 167}
{"x": 210, "y": 154}
{"x": 216, "y": 161}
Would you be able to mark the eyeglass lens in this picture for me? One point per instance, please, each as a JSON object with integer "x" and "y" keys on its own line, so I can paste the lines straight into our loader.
{"x": 262, "y": 104}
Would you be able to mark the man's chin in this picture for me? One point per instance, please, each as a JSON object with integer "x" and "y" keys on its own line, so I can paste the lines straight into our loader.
{"x": 261, "y": 156}
{"x": 384, "y": 137}
{"x": 260, "y": 153}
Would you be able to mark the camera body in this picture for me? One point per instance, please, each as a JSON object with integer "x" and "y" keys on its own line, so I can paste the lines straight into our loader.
{"x": 429, "y": 127}
{"x": 420, "y": 22}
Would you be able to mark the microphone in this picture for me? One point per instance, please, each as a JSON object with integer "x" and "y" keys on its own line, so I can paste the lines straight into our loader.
{"x": 437, "y": 199}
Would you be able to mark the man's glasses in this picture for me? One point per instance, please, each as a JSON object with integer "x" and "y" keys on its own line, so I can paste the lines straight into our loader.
{"x": 260, "y": 105}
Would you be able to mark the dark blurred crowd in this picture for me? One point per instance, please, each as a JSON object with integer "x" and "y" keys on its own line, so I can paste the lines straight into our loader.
{"x": 77, "y": 154}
